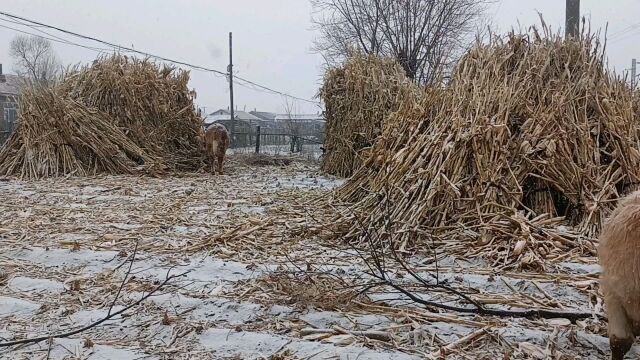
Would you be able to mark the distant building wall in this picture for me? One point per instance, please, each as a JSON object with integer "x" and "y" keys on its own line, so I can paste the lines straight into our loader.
{"x": 8, "y": 116}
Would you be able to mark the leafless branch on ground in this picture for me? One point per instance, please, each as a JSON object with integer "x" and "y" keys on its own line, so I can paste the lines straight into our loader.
{"x": 110, "y": 314}
{"x": 381, "y": 252}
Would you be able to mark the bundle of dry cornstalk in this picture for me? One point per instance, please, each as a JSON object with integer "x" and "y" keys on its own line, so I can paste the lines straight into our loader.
{"x": 358, "y": 97}
{"x": 532, "y": 133}
{"x": 118, "y": 115}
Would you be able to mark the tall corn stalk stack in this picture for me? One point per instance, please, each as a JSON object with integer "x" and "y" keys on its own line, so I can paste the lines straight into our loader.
{"x": 532, "y": 133}
{"x": 358, "y": 97}
{"x": 118, "y": 115}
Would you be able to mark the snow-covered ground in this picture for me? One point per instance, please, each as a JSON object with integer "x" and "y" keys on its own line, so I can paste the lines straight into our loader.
{"x": 309, "y": 151}
{"x": 68, "y": 243}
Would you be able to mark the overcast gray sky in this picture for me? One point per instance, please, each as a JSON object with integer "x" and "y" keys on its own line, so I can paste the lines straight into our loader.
{"x": 272, "y": 38}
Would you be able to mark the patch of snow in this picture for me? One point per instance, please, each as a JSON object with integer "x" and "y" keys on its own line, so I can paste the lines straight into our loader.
{"x": 88, "y": 316}
{"x": 113, "y": 198}
{"x": 448, "y": 332}
{"x": 11, "y": 306}
{"x": 228, "y": 342}
{"x": 253, "y": 345}
{"x": 121, "y": 226}
{"x": 197, "y": 209}
{"x": 311, "y": 152}
{"x": 582, "y": 268}
{"x": 281, "y": 311}
{"x": 93, "y": 261}
{"x": 210, "y": 309}
{"x": 26, "y": 284}
{"x": 76, "y": 237}
{"x": 449, "y": 261}
{"x": 327, "y": 319}
{"x": 171, "y": 300}
{"x": 498, "y": 286}
{"x": 253, "y": 210}
{"x": 62, "y": 347}
{"x": 307, "y": 182}
{"x": 590, "y": 342}
{"x": 181, "y": 229}
{"x": 75, "y": 206}
{"x": 56, "y": 195}
{"x": 15, "y": 187}
{"x": 221, "y": 310}
{"x": 208, "y": 273}
{"x": 93, "y": 189}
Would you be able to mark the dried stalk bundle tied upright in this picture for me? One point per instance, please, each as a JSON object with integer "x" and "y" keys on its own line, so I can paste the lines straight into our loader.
{"x": 531, "y": 133}
{"x": 358, "y": 97}
{"x": 58, "y": 135}
{"x": 140, "y": 110}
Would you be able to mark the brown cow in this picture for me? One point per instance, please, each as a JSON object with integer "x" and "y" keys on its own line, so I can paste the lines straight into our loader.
{"x": 619, "y": 256}
{"x": 216, "y": 142}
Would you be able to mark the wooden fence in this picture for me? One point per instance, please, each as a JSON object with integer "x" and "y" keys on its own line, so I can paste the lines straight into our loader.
{"x": 257, "y": 137}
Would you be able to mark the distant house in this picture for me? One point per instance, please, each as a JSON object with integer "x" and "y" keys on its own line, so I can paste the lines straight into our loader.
{"x": 243, "y": 119}
{"x": 9, "y": 92}
{"x": 268, "y": 116}
{"x": 301, "y": 118}
{"x": 274, "y": 126}
{"x": 307, "y": 123}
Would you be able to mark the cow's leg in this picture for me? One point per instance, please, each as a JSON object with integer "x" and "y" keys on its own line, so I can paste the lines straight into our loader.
{"x": 213, "y": 164}
{"x": 220, "y": 161}
{"x": 620, "y": 330}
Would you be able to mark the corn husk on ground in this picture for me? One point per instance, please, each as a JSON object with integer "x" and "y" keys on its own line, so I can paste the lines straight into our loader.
{"x": 531, "y": 133}
{"x": 118, "y": 115}
{"x": 358, "y": 97}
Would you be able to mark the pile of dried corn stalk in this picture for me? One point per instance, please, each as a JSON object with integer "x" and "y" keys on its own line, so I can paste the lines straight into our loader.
{"x": 532, "y": 132}
{"x": 358, "y": 97}
{"x": 117, "y": 115}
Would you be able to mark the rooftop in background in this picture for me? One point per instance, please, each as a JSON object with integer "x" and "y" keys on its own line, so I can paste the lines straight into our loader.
{"x": 223, "y": 114}
{"x": 299, "y": 117}
{"x": 264, "y": 115}
{"x": 263, "y": 118}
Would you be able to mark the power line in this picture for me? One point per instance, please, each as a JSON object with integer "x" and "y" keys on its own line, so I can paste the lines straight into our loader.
{"x": 37, "y": 28}
{"x": 274, "y": 91}
{"x": 625, "y": 30}
{"x": 49, "y": 38}
{"x": 624, "y": 33}
{"x": 115, "y": 46}
{"x": 624, "y": 36}
{"x": 157, "y": 57}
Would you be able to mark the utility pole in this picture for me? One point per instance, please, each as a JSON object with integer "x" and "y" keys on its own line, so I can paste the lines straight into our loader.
{"x": 230, "y": 71}
{"x": 633, "y": 74}
{"x": 572, "y": 19}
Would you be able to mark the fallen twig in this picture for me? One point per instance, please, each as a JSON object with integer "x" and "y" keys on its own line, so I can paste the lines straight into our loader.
{"x": 371, "y": 334}
{"x": 96, "y": 323}
{"x": 377, "y": 268}
{"x": 443, "y": 351}
{"x": 126, "y": 276}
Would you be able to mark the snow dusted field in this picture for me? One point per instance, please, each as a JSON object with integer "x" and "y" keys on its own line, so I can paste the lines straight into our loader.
{"x": 67, "y": 245}
{"x": 309, "y": 151}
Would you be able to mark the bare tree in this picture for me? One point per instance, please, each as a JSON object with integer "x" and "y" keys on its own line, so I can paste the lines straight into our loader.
{"x": 425, "y": 36}
{"x": 35, "y": 59}
{"x": 293, "y": 125}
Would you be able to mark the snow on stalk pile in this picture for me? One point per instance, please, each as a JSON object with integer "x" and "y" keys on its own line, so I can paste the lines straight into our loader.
{"x": 115, "y": 116}
{"x": 358, "y": 96}
{"x": 531, "y": 133}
